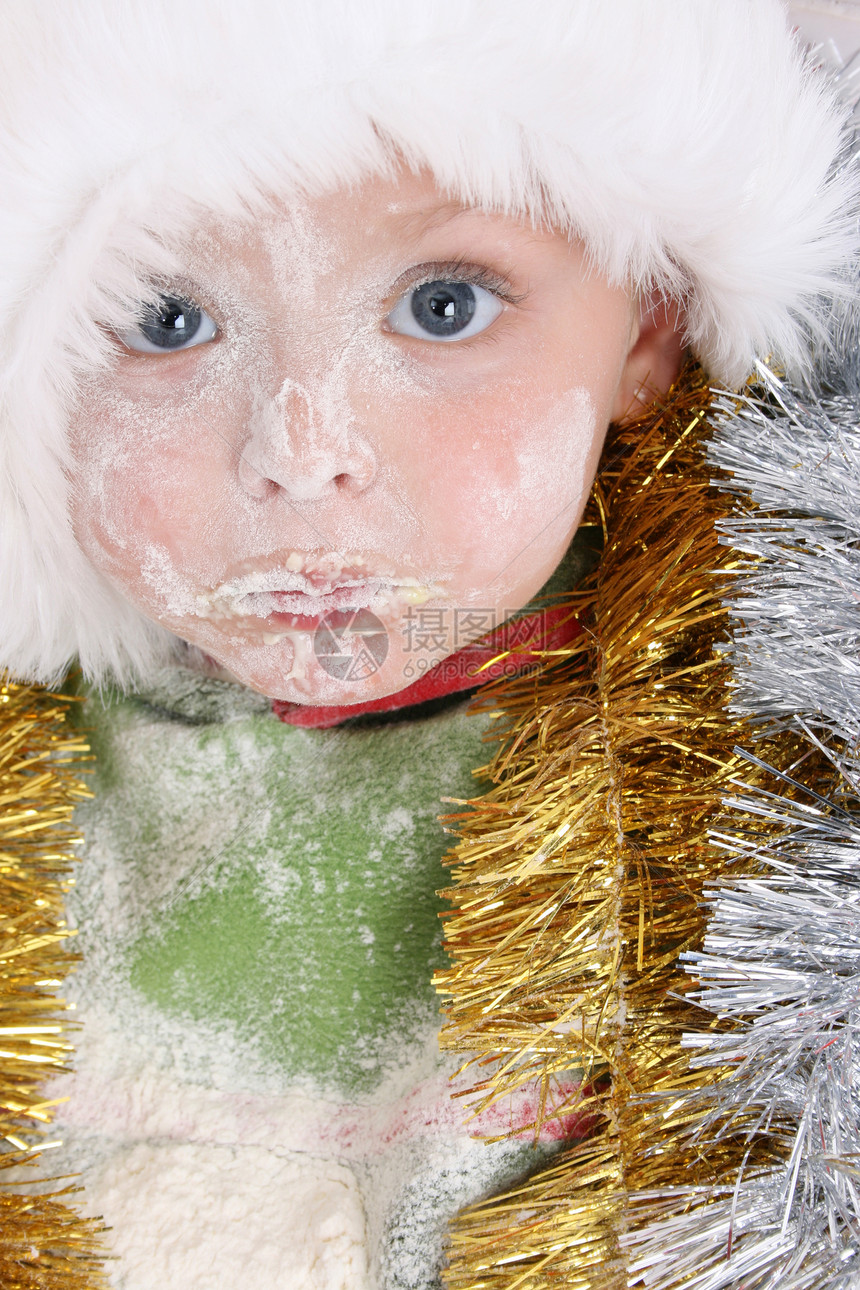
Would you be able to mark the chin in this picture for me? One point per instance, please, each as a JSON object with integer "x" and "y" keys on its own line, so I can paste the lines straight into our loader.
{"x": 313, "y": 686}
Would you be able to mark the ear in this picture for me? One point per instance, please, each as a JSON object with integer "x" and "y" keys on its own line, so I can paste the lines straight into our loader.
{"x": 654, "y": 359}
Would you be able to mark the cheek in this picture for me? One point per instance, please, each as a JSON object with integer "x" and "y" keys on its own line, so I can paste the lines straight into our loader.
{"x": 127, "y": 496}
{"x": 547, "y": 457}
{"x": 141, "y": 498}
{"x": 514, "y": 473}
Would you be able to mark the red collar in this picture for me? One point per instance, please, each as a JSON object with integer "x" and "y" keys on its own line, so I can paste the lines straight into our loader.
{"x": 514, "y": 647}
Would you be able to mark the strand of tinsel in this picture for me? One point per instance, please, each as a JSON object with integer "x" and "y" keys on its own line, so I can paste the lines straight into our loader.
{"x": 782, "y": 954}
{"x": 44, "y": 1243}
{"x": 578, "y": 880}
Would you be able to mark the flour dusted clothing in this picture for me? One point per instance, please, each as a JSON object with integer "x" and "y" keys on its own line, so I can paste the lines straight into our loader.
{"x": 259, "y": 927}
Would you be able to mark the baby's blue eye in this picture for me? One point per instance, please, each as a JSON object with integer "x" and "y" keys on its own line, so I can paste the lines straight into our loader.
{"x": 171, "y": 323}
{"x": 444, "y": 310}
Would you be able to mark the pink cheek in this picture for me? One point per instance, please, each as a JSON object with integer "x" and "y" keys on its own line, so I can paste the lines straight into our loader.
{"x": 170, "y": 512}
{"x": 481, "y": 470}
{"x": 167, "y": 527}
{"x": 493, "y": 492}
{"x": 119, "y": 527}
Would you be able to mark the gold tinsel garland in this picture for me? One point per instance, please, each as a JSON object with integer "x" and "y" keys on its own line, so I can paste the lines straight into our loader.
{"x": 578, "y": 879}
{"x": 578, "y": 882}
{"x": 44, "y": 1243}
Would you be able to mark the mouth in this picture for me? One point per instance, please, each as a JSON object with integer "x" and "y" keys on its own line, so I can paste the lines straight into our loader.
{"x": 299, "y": 611}
{"x": 301, "y": 592}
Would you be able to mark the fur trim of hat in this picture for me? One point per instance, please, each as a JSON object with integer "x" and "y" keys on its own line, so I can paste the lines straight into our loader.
{"x": 686, "y": 141}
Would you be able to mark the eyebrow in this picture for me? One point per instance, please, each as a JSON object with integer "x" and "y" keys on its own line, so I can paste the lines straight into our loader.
{"x": 428, "y": 218}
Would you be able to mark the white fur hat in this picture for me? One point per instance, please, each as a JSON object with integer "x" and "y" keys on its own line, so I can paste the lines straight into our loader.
{"x": 685, "y": 140}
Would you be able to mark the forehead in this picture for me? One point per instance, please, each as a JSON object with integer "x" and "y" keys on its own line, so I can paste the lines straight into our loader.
{"x": 368, "y": 224}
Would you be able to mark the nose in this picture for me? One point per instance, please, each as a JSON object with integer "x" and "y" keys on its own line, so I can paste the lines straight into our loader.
{"x": 294, "y": 450}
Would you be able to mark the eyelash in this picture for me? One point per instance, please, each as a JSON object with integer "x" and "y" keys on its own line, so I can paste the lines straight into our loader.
{"x": 459, "y": 270}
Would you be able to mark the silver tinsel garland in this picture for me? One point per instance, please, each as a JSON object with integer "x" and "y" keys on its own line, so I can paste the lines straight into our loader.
{"x": 780, "y": 966}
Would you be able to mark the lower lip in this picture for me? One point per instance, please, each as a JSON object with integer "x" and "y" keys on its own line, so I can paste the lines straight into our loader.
{"x": 337, "y": 609}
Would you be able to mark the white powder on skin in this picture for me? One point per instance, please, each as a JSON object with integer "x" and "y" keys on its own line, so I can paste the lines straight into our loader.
{"x": 307, "y": 428}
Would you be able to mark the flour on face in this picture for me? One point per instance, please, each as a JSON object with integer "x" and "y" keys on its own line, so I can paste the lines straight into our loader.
{"x": 312, "y": 458}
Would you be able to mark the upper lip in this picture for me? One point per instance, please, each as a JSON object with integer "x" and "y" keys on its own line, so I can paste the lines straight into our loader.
{"x": 351, "y": 596}
{"x": 285, "y": 582}
{"x": 295, "y": 584}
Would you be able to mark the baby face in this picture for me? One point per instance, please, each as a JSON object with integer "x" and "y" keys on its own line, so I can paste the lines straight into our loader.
{"x": 378, "y": 400}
